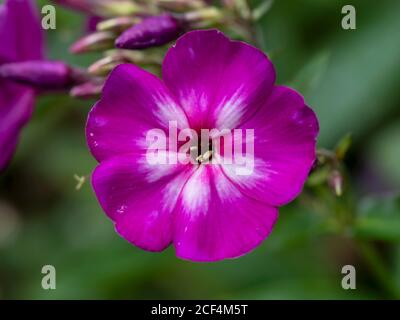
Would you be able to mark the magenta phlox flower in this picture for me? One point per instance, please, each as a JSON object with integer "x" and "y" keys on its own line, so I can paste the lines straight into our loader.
{"x": 207, "y": 207}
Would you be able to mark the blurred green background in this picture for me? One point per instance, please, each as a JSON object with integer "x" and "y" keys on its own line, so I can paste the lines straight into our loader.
{"x": 351, "y": 78}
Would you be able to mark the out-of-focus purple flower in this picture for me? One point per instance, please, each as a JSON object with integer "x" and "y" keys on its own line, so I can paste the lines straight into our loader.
{"x": 205, "y": 209}
{"x": 40, "y": 74}
{"x": 151, "y": 32}
{"x": 21, "y": 40}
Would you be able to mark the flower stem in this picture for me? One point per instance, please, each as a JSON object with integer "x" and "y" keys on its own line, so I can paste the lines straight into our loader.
{"x": 343, "y": 212}
{"x": 374, "y": 261}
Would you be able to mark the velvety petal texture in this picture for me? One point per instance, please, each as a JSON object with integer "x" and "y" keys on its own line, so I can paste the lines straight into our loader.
{"x": 133, "y": 102}
{"x": 21, "y": 39}
{"x": 140, "y": 198}
{"x": 207, "y": 210}
{"x": 219, "y": 83}
{"x": 285, "y": 132}
{"x": 215, "y": 221}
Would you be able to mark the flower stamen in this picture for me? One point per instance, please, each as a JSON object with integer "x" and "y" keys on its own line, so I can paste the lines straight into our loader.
{"x": 204, "y": 157}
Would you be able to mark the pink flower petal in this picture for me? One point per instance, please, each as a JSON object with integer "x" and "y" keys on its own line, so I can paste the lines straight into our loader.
{"x": 285, "y": 132}
{"x": 215, "y": 221}
{"x": 140, "y": 198}
{"x": 219, "y": 82}
{"x": 134, "y": 101}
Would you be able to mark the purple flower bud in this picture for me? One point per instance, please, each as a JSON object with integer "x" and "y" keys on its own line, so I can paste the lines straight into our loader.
{"x": 151, "y": 32}
{"x": 40, "y": 74}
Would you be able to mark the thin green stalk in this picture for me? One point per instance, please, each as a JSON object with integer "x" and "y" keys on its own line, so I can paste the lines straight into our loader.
{"x": 374, "y": 261}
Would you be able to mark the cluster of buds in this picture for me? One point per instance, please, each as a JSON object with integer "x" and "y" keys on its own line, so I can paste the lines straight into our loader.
{"x": 129, "y": 31}
{"x": 138, "y": 31}
{"x": 330, "y": 167}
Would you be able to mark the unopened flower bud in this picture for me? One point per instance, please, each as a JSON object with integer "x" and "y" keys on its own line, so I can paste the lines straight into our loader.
{"x": 149, "y": 57}
{"x": 87, "y": 90}
{"x": 203, "y": 18}
{"x": 336, "y": 182}
{"x": 180, "y": 5}
{"x": 117, "y": 24}
{"x": 151, "y": 32}
{"x": 104, "y": 8}
{"x": 105, "y": 65}
{"x": 242, "y": 8}
{"x": 119, "y": 8}
{"x": 94, "y": 42}
{"x": 230, "y": 4}
{"x": 41, "y": 74}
